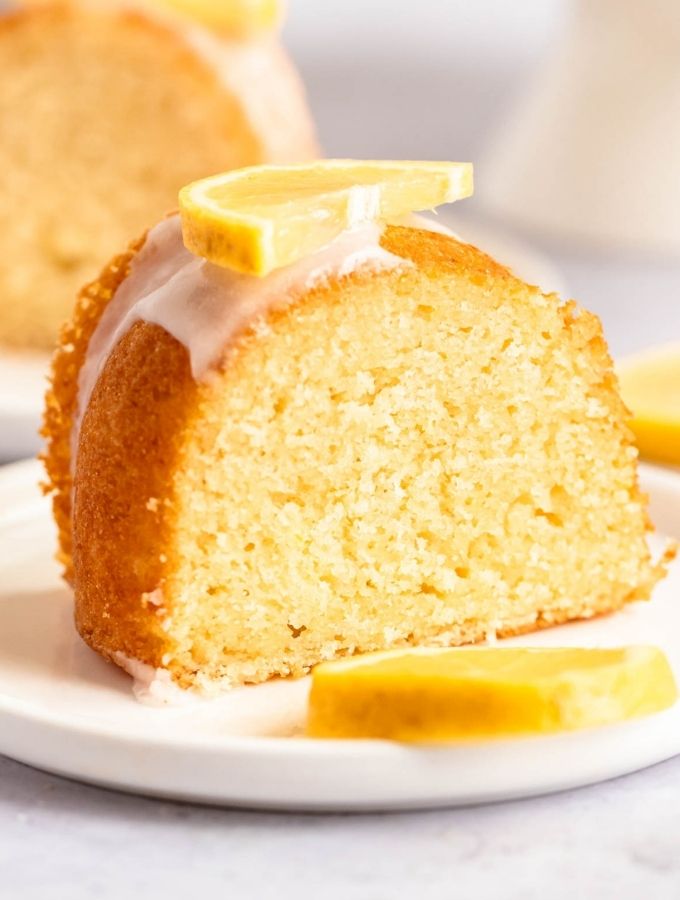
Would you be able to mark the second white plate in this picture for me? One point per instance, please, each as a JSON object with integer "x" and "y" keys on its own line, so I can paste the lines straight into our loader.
{"x": 63, "y": 709}
{"x": 23, "y": 380}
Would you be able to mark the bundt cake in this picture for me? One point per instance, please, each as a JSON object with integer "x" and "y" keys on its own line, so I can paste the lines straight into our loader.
{"x": 107, "y": 107}
{"x": 390, "y": 442}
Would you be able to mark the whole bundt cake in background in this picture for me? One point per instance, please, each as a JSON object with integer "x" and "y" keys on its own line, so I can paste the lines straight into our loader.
{"x": 391, "y": 441}
{"x": 106, "y": 109}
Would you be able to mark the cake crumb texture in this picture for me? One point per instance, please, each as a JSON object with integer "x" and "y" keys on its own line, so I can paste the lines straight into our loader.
{"x": 425, "y": 456}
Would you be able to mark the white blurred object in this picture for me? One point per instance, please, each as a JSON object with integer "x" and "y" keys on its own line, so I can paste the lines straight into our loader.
{"x": 593, "y": 152}
{"x": 23, "y": 382}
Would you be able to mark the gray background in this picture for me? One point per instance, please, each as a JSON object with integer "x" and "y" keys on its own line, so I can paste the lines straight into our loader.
{"x": 429, "y": 78}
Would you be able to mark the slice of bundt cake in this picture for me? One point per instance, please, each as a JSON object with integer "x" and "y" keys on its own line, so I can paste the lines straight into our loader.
{"x": 106, "y": 110}
{"x": 392, "y": 441}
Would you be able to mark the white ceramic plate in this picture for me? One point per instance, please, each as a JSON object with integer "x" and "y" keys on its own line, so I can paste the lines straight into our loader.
{"x": 23, "y": 379}
{"x": 65, "y": 710}
{"x": 22, "y": 376}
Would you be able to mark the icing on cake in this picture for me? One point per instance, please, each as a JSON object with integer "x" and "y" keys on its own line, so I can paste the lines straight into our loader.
{"x": 205, "y": 306}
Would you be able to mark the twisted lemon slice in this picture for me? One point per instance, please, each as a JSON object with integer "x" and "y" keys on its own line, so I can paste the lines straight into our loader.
{"x": 650, "y": 385}
{"x": 261, "y": 218}
{"x": 448, "y": 695}
{"x": 232, "y": 16}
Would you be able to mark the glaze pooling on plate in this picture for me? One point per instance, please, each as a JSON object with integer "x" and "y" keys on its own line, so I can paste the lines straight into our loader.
{"x": 155, "y": 687}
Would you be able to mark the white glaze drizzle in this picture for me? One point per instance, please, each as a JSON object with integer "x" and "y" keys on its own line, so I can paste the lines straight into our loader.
{"x": 205, "y": 306}
{"x": 272, "y": 97}
{"x": 425, "y": 223}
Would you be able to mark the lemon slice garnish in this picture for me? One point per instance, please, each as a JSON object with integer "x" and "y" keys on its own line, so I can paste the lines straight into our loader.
{"x": 230, "y": 16}
{"x": 650, "y": 385}
{"x": 261, "y": 218}
{"x": 486, "y": 692}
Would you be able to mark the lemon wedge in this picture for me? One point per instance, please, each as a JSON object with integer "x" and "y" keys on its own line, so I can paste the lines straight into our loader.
{"x": 261, "y": 218}
{"x": 230, "y": 16}
{"x": 488, "y": 692}
{"x": 650, "y": 385}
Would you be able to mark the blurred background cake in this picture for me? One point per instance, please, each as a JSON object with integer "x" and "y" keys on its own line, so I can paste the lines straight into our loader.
{"x": 106, "y": 109}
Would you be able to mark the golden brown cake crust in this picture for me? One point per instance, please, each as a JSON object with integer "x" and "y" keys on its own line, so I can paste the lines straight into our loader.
{"x": 144, "y": 405}
{"x": 62, "y": 394}
{"x": 126, "y": 502}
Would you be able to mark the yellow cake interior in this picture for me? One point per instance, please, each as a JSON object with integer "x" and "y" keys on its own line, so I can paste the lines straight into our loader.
{"x": 450, "y": 480}
{"x": 430, "y": 455}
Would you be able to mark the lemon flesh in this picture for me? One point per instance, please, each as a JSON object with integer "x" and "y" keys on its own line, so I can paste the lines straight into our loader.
{"x": 650, "y": 385}
{"x": 480, "y": 693}
{"x": 261, "y": 218}
{"x": 237, "y": 17}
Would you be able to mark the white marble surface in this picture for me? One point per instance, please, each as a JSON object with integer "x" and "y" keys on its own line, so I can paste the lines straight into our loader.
{"x": 64, "y": 841}
{"x": 619, "y": 840}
